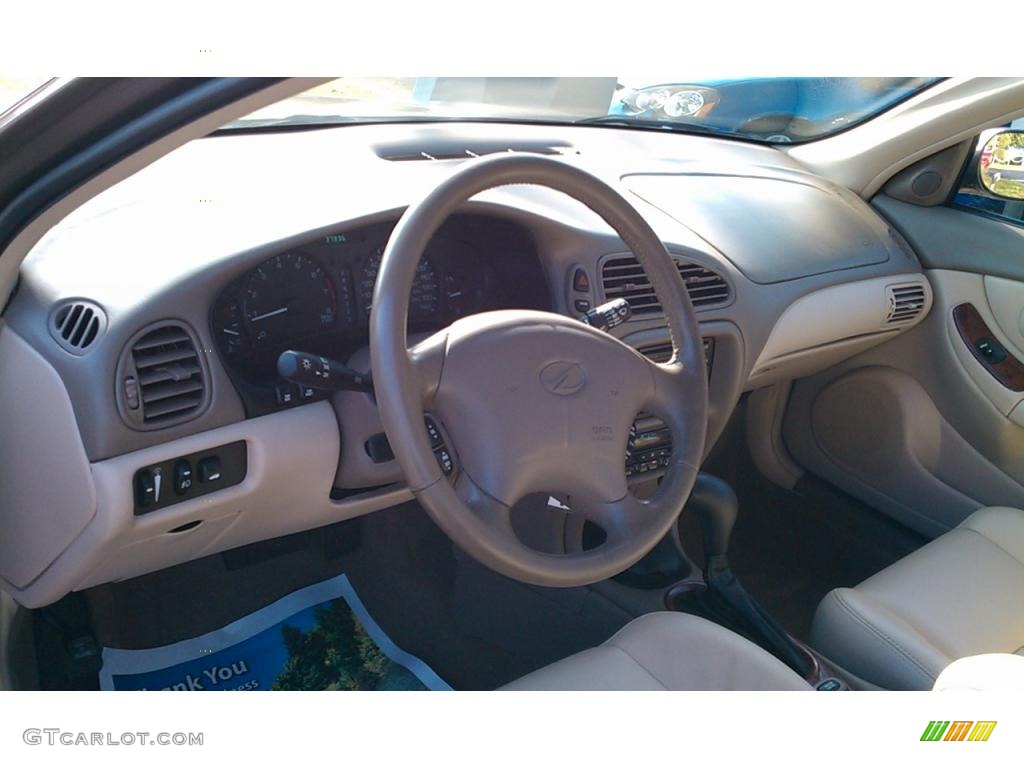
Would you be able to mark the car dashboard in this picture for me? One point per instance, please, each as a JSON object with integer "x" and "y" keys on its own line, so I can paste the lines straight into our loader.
{"x": 147, "y": 325}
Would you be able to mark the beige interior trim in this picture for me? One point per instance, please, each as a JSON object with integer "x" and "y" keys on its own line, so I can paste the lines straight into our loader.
{"x": 1006, "y": 301}
{"x": 927, "y": 449}
{"x": 766, "y": 408}
{"x": 983, "y": 672}
{"x": 292, "y": 457}
{"x": 835, "y": 314}
{"x": 23, "y": 242}
{"x": 48, "y": 496}
{"x": 864, "y": 158}
{"x": 953, "y": 288}
{"x": 807, "y": 362}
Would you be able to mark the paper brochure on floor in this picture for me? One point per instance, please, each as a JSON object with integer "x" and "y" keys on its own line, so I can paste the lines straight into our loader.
{"x": 318, "y": 638}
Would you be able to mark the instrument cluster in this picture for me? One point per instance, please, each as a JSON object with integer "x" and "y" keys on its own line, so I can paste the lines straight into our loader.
{"x": 317, "y": 297}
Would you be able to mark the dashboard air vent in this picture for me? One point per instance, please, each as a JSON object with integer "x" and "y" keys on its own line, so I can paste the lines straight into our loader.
{"x": 164, "y": 381}
{"x": 906, "y": 302}
{"x": 454, "y": 149}
{"x": 624, "y": 278}
{"x": 75, "y": 325}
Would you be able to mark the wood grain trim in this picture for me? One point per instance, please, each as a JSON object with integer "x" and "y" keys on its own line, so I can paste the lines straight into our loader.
{"x": 972, "y": 328}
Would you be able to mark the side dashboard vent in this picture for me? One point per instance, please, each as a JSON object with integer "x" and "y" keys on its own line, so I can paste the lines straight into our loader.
{"x": 162, "y": 380}
{"x": 76, "y": 325}
{"x": 906, "y": 302}
{"x": 623, "y": 278}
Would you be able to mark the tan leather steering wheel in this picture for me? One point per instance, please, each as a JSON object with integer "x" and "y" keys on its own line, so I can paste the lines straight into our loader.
{"x": 535, "y": 401}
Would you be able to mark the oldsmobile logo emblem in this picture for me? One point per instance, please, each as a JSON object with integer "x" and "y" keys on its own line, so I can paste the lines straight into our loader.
{"x": 563, "y": 378}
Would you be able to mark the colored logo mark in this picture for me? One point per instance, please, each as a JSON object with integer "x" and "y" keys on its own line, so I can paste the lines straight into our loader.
{"x": 958, "y": 730}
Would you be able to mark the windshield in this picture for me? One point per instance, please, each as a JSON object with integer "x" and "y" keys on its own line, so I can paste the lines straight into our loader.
{"x": 769, "y": 109}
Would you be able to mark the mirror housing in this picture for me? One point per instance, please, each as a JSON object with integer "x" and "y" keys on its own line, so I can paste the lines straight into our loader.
{"x": 1001, "y": 165}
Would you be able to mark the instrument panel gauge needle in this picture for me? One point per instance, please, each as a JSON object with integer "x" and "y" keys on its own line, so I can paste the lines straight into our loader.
{"x": 265, "y": 315}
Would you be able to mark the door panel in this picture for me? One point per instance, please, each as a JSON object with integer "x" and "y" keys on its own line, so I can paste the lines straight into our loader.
{"x": 949, "y": 238}
{"x": 966, "y": 291}
{"x": 930, "y": 426}
{"x": 1006, "y": 300}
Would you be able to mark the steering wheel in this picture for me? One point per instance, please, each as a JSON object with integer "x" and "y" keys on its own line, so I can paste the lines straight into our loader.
{"x": 535, "y": 402}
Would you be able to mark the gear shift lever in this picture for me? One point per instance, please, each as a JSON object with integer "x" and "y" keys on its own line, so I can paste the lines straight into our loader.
{"x": 716, "y": 506}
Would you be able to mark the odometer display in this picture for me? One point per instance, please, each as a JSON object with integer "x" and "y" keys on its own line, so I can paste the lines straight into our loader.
{"x": 425, "y": 298}
{"x": 287, "y": 297}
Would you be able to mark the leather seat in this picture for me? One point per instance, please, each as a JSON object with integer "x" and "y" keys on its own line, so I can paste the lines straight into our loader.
{"x": 667, "y": 651}
{"x": 960, "y": 595}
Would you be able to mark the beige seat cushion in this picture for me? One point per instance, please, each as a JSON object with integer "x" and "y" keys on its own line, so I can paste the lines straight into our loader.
{"x": 987, "y": 672}
{"x": 960, "y": 595}
{"x": 667, "y": 651}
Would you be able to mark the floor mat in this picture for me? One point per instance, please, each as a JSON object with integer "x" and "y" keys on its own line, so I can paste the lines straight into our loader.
{"x": 318, "y": 638}
{"x": 476, "y": 629}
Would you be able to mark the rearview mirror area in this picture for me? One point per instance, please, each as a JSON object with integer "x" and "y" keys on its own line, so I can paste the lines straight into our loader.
{"x": 1001, "y": 165}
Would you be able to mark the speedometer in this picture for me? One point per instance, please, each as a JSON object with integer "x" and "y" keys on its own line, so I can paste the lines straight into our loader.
{"x": 289, "y": 296}
{"x": 425, "y": 298}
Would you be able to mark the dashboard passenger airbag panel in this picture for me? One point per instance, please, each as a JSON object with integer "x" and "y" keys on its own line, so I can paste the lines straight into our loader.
{"x": 772, "y": 229}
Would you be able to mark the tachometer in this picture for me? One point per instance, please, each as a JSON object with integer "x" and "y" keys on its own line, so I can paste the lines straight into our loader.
{"x": 289, "y": 296}
{"x": 425, "y": 298}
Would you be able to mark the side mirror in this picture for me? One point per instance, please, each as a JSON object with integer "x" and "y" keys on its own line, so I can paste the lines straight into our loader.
{"x": 1001, "y": 165}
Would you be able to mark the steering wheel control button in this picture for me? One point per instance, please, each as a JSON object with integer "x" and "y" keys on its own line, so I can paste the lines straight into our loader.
{"x": 182, "y": 477}
{"x": 209, "y": 469}
{"x": 433, "y": 433}
{"x": 649, "y": 448}
{"x": 580, "y": 281}
{"x": 306, "y": 393}
{"x": 444, "y": 459}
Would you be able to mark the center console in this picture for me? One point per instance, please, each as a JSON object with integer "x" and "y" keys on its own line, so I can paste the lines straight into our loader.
{"x": 692, "y": 597}
{"x": 720, "y": 597}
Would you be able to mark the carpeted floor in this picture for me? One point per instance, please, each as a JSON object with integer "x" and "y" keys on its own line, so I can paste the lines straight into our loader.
{"x": 476, "y": 629}
{"x": 789, "y": 548}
